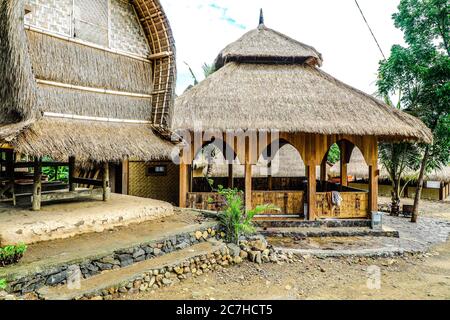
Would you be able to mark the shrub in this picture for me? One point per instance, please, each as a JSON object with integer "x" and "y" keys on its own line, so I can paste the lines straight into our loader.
{"x": 11, "y": 254}
{"x": 234, "y": 219}
{"x": 3, "y": 284}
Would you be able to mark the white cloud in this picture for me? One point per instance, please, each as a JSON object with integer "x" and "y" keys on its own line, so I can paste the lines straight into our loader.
{"x": 335, "y": 28}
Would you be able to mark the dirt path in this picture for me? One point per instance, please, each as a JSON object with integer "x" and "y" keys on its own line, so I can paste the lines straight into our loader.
{"x": 401, "y": 278}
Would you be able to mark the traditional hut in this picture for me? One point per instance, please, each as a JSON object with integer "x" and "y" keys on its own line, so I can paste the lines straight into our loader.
{"x": 88, "y": 81}
{"x": 436, "y": 186}
{"x": 269, "y": 91}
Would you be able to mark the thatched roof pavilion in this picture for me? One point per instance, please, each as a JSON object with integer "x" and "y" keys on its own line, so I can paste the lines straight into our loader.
{"x": 87, "y": 80}
{"x": 268, "y": 82}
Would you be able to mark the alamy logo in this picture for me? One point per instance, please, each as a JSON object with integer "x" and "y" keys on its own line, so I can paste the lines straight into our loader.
{"x": 374, "y": 278}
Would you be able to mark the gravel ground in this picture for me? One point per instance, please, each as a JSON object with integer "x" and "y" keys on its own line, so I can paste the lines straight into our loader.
{"x": 410, "y": 276}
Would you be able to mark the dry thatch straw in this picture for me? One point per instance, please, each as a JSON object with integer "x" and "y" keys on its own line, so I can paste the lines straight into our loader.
{"x": 68, "y": 63}
{"x": 266, "y": 80}
{"x": 84, "y": 103}
{"x": 270, "y": 46}
{"x": 90, "y": 140}
{"x": 290, "y": 98}
{"x": 359, "y": 169}
{"x": 58, "y": 60}
{"x": 17, "y": 86}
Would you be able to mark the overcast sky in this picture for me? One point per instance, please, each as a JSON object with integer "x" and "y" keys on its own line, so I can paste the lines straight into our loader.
{"x": 334, "y": 27}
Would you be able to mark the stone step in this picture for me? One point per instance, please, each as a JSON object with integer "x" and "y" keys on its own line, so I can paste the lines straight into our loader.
{"x": 326, "y": 223}
{"x": 299, "y": 232}
{"x": 93, "y": 286}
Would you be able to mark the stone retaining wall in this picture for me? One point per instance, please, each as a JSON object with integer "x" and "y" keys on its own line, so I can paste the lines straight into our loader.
{"x": 57, "y": 275}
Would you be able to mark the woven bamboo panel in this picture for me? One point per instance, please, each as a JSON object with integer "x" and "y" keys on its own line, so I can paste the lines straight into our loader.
{"x": 164, "y": 188}
{"x": 157, "y": 29}
{"x": 354, "y": 205}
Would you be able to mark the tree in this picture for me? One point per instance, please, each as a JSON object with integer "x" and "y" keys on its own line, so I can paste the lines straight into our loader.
{"x": 421, "y": 73}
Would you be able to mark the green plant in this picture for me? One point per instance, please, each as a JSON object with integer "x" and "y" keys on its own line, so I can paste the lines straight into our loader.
{"x": 234, "y": 219}
{"x": 12, "y": 254}
{"x": 334, "y": 155}
{"x": 3, "y": 284}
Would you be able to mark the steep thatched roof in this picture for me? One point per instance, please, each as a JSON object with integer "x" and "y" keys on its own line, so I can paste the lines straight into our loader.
{"x": 50, "y": 74}
{"x": 290, "y": 95}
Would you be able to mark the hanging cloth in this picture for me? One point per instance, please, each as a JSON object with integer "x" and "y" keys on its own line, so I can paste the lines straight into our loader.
{"x": 336, "y": 198}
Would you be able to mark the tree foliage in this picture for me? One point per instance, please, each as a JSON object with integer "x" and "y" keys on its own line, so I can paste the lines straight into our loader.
{"x": 420, "y": 72}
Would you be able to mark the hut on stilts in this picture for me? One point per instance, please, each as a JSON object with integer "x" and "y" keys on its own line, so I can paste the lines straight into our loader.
{"x": 83, "y": 82}
{"x": 269, "y": 91}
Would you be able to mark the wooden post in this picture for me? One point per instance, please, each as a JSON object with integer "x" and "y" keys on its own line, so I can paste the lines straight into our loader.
{"x": 37, "y": 185}
{"x": 10, "y": 172}
{"x": 183, "y": 184}
{"x": 311, "y": 192}
{"x": 343, "y": 165}
{"x": 373, "y": 188}
{"x": 230, "y": 176}
{"x": 125, "y": 176}
{"x": 105, "y": 182}
{"x": 270, "y": 177}
{"x": 248, "y": 186}
{"x": 323, "y": 169}
{"x": 72, "y": 185}
{"x": 442, "y": 192}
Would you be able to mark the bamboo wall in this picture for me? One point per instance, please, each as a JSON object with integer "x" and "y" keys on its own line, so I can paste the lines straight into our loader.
{"x": 354, "y": 205}
{"x": 164, "y": 188}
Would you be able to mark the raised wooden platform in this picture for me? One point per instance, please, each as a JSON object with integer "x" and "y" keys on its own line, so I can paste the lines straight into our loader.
{"x": 68, "y": 219}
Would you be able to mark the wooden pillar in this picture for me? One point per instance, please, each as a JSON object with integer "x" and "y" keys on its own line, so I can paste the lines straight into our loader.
{"x": 230, "y": 176}
{"x": 72, "y": 185}
{"x": 184, "y": 184}
{"x": 373, "y": 187}
{"x": 343, "y": 164}
{"x": 125, "y": 176}
{"x": 270, "y": 178}
{"x": 37, "y": 185}
{"x": 311, "y": 191}
{"x": 248, "y": 186}
{"x": 442, "y": 192}
{"x": 10, "y": 172}
{"x": 323, "y": 169}
{"x": 105, "y": 182}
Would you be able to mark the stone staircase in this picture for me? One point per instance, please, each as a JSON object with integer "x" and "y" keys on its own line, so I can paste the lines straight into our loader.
{"x": 299, "y": 229}
{"x": 145, "y": 275}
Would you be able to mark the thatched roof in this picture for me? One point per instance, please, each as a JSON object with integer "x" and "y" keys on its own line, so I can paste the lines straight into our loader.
{"x": 274, "y": 92}
{"x": 47, "y": 73}
{"x": 358, "y": 169}
{"x": 264, "y": 44}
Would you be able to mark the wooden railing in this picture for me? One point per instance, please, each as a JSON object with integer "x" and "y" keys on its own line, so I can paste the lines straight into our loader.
{"x": 289, "y": 202}
{"x": 354, "y": 205}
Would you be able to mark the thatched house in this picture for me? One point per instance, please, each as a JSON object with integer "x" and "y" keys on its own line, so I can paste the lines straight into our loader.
{"x": 436, "y": 186}
{"x": 268, "y": 82}
{"x": 87, "y": 80}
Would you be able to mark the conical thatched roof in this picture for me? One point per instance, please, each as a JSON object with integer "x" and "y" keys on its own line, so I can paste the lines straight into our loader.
{"x": 266, "y": 80}
{"x": 62, "y": 96}
{"x": 264, "y": 44}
